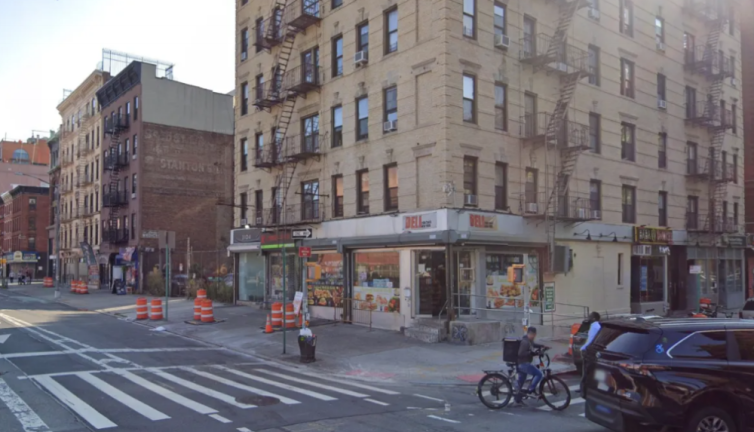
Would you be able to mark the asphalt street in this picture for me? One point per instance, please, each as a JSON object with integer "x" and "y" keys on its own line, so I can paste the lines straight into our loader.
{"x": 68, "y": 370}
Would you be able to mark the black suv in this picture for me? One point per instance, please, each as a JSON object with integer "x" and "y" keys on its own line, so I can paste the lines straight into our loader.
{"x": 694, "y": 375}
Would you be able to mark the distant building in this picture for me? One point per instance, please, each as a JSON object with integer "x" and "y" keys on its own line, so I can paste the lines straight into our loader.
{"x": 23, "y": 163}
{"x": 25, "y": 211}
{"x": 54, "y": 174}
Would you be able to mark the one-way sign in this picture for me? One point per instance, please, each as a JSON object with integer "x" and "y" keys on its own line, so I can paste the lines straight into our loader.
{"x": 302, "y": 233}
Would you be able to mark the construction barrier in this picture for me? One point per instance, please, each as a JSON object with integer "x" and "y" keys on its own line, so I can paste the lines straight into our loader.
{"x": 74, "y": 286}
{"x": 48, "y": 282}
{"x": 156, "y": 312}
{"x": 574, "y": 330}
{"x": 290, "y": 316}
{"x": 201, "y": 294}
{"x": 141, "y": 309}
{"x": 277, "y": 315}
{"x": 198, "y": 309}
{"x": 268, "y": 326}
{"x": 83, "y": 288}
{"x": 207, "y": 316}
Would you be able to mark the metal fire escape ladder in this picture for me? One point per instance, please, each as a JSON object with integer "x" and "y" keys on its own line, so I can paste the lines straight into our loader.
{"x": 113, "y": 166}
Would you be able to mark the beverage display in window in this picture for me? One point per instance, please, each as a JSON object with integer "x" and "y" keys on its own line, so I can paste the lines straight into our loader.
{"x": 376, "y": 281}
{"x": 324, "y": 280}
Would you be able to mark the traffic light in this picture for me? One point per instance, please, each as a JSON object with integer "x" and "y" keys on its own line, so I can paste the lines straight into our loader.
{"x": 516, "y": 273}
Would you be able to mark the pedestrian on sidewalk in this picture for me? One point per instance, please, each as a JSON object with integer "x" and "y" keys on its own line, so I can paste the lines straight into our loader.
{"x": 12, "y": 275}
{"x": 28, "y": 276}
{"x": 21, "y": 277}
{"x": 594, "y": 328}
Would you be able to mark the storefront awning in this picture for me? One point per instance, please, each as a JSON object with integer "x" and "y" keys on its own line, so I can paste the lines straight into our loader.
{"x": 244, "y": 247}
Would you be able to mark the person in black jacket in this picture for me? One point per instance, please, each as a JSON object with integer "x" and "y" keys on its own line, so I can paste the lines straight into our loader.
{"x": 526, "y": 352}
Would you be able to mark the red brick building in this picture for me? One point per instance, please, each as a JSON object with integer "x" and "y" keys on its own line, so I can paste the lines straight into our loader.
{"x": 168, "y": 161}
{"x": 25, "y": 217}
{"x": 747, "y": 66}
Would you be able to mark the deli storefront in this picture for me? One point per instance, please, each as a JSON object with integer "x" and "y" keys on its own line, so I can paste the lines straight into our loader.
{"x": 649, "y": 270}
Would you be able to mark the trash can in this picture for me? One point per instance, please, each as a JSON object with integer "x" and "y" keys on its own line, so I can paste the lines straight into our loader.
{"x": 307, "y": 345}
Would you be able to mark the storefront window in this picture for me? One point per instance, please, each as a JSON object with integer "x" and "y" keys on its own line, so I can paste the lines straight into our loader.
{"x": 324, "y": 280}
{"x": 377, "y": 281}
{"x": 500, "y": 292}
{"x": 276, "y": 276}
{"x": 647, "y": 279}
{"x": 251, "y": 277}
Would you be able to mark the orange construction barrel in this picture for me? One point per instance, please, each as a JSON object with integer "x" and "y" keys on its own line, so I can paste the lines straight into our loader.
{"x": 201, "y": 294}
{"x": 277, "y": 315}
{"x": 574, "y": 330}
{"x": 207, "y": 315}
{"x": 290, "y": 316}
{"x": 198, "y": 309}
{"x": 156, "y": 312}
{"x": 141, "y": 309}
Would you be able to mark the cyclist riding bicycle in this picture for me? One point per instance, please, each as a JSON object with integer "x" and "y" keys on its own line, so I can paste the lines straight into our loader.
{"x": 526, "y": 352}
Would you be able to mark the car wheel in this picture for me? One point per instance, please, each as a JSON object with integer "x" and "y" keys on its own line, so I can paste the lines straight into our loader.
{"x": 711, "y": 419}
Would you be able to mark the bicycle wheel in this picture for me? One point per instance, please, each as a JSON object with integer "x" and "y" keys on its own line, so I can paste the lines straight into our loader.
{"x": 555, "y": 393}
{"x": 495, "y": 391}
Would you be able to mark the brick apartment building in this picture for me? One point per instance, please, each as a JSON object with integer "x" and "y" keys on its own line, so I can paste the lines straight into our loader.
{"x": 747, "y": 60}
{"x": 55, "y": 177}
{"x": 430, "y": 145}
{"x": 25, "y": 212}
{"x": 168, "y": 162}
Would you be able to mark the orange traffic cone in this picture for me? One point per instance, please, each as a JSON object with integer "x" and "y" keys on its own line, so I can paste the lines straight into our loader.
{"x": 268, "y": 327}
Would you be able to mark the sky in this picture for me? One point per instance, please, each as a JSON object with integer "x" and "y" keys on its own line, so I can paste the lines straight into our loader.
{"x": 50, "y": 45}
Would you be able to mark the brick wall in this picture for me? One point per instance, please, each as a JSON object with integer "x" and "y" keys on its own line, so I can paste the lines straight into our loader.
{"x": 747, "y": 60}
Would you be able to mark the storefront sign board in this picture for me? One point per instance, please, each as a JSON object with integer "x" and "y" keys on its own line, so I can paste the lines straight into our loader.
{"x": 420, "y": 221}
{"x": 650, "y": 235}
{"x": 299, "y": 297}
{"x": 482, "y": 222}
{"x": 251, "y": 235}
{"x": 549, "y": 296}
{"x": 736, "y": 241}
{"x": 695, "y": 269}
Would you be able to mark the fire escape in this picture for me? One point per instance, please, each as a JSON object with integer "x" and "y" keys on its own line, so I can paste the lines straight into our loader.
{"x": 553, "y": 130}
{"x": 115, "y": 198}
{"x": 287, "y": 19}
{"x": 709, "y": 61}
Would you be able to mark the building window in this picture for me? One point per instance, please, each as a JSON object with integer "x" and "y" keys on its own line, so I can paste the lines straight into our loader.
{"x": 32, "y": 244}
{"x": 470, "y": 180}
{"x": 258, "y": 206}
{"x": 469, "y": 101}
{"x": 469, "y": 19}
{"x": 362, "y": 38}
{"x": 499, "y": 21}
{"x": 259, "y": 87}
{"x": 391, "y": 105}
{"x": 690, "y": 102}
{"x": 391, "y": 187}
{"x": 128, "y": 148}
{"x": 362, "y": 192}
{"x": 530, "y": 42}
{"x": 128, "y": 110}
{"x": 662, "y": 150}
{"x": 692, "y": 213}
{"x": 689, "y": 44}
{"x": 735, "y": 168}
{"x": 244, "y": 154}
{"x": 310, "y": 66}
{"x": 659, "y": 31}
{"x": 627, "y": 78}
{"x": 133, "y": 226}
{"x": 501, "y": 107}
{"x": 337, "y": 56}
{"x": 734, "y": 114}
{"x": 595, "y": 142}
{"x": 661, "y": 96}
{"x": 691, "y": 160}
{"x": 594, "y": 65}
{"x": 98, "y": 132}
{"x": 595, "y": 198}
{"x": 501, "y": 186}
{"x": 310, "y": 200}
{"x": 628, "y": 142}
{"x": 627, "y": 17}
{"x": 362, "y": 118}
{"x": 735, "y": 216}
{"x": 32, "y": 203}
{"x": 244, "y": 44}
{"x": 337, "y": 193}
{"x": 391, "y": 31}
{"x": 628, "y": 200}
{"x": 136, "y": 145}
{"x": 243, "y": 206}
{"x": 620, "y": 269}
{"x": 530, "y": 190}
{"x": 133, "y": 186}
{"x": 337, "y": 3}
{"x": 244, "y": 98}
{"x": 337, "y": 126}
{"x": 259, "y": 33}
{"x": 662, "y": 209}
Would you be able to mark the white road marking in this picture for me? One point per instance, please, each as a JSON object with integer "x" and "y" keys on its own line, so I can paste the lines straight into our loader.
{"x": 443, "y": 419}
{"x": 102, "y": 351}
{"x": 309, "y": 393}
{"x": 84, "y": 410}
{"x": 244, "y": 430}
{"x": 574, "y": 401}
{"x": 168, "y": 394}
{"x": 29, "y": 420}
{"x": 4, "y": 338}
{"x": 359, "y": 385}
{"x": 313, "y": 384}
{"x": 220, "y": 418}
{"x": 430, "y": 398}
{"x": 136, "y": 405}
{"x": 201, "y": 389}
{"x": 377, "y": 402}
{"x": 582, "y": 415}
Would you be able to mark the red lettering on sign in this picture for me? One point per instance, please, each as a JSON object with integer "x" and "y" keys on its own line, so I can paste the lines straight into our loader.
{"x": 413, "y": 222}
{"x": 476, "y": 221}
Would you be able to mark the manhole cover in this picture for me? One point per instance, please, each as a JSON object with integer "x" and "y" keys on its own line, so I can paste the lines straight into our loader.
{"x": 258, "y": 400}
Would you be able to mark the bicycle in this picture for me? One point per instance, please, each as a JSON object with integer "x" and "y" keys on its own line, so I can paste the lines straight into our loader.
{"x": 498, "y": 386}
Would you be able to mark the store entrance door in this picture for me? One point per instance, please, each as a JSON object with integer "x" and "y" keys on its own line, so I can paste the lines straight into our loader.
{"x": 429, "y": 282}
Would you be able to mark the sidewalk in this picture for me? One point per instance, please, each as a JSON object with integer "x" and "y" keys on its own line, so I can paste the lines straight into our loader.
{"x": 345, "y": 350}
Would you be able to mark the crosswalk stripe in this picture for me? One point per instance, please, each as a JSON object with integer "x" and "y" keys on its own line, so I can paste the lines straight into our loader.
{"x": 168, "y": 394}
{"x": 377, "y": 402}
{"x": 313, "y": 384}
{"x": 582, "y": 415}
{"x": 29, "y": 420}
{"x": 201, "y": 389}
{"x": 84, "y": 410}
{"x": 574, "y": 401}
{"x": 262, "y": 380}
{"x": 220, "y": 418}
{"x": 136, "y": 405}
{"x": 359, "y": 385}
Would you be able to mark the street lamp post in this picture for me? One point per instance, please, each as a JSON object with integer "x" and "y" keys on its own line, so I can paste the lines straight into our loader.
{"x": 56, "y": 194}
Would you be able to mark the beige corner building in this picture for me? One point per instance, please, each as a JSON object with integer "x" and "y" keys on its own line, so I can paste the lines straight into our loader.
{"x": 431, "y": 145}
{"x": 79, "y": 150}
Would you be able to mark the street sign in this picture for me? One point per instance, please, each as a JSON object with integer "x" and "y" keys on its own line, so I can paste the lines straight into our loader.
{"x": 304, "y": 252}
{"x": 549, "y": 297}
{"x": 302, "y": 233}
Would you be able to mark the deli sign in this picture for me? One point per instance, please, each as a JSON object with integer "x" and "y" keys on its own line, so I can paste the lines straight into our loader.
{"x": 420, "y": 222}
{"x": 482, "y": 222}
{"x": 649, "y": 235}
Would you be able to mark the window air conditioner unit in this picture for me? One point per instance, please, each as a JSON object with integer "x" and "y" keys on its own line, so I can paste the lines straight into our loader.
{"x": 594, "y": 13}
{"x": 642, "y": 250}
{"x": 734, "y": 82}
{"x": 502, "y": 41}
{"x": 244, "y": 221}
{"x": 661, "y": 103}
{"x": 596, "y": 214}
{"x": 361, "y": 58}
{"x": 390, "y": 126}
{"x": 661, "y": 46}
{"x": 470, "y": 200}
{"x": 583, "y": 213}
{"x": 532, "y": 208}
